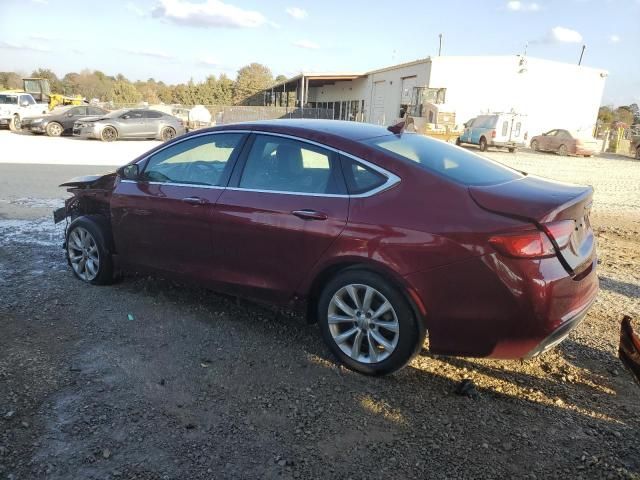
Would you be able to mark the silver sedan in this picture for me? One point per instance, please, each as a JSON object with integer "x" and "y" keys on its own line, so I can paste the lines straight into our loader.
{"x": 136, "y": 123}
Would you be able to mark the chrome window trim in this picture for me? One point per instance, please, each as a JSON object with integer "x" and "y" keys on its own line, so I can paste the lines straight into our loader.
{"x": 392, "y": 179}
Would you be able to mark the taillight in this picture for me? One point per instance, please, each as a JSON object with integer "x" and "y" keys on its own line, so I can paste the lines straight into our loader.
{"x": 493, "y": 134}
{"x": 534, "y": 243}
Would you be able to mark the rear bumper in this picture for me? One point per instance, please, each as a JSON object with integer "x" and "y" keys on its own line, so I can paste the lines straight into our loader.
{"x": 507, "y": 144}
{"x": 489, "y": 306}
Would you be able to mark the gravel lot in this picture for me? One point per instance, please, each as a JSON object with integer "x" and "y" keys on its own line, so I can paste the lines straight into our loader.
{"x": 202, "y": 386}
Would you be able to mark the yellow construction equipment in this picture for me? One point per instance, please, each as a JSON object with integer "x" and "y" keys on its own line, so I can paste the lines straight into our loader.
{"x": 40, "y": 89}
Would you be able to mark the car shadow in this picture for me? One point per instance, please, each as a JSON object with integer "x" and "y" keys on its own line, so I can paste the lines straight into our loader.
{"x": 631, "y": 290}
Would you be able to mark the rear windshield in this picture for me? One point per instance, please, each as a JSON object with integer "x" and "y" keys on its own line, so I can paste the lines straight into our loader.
{"x": 444, "y": 159}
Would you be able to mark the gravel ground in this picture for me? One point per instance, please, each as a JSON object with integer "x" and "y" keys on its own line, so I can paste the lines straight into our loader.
{"x": 199, "y": 386}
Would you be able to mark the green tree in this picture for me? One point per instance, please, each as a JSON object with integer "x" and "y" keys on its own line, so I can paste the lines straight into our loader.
{"x": 605, "y": 115}
{"x": 124, "y": 92}
{"x": 624, "y": 115}
{"x": 10, "y": 80}
{"x": 251, "y": 80}
{"x": 281, "y": 78}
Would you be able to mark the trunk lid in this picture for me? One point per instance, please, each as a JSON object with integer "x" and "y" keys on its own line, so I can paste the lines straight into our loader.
{"x": 541, "y": 202}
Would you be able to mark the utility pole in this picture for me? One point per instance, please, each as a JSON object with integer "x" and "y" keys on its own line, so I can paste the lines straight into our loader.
{"x": 581, "y": 54}
{"x": 440, "y": 45}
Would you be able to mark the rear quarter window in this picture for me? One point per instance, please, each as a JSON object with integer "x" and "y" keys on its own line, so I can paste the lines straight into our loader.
{"x": 443, "y": 159}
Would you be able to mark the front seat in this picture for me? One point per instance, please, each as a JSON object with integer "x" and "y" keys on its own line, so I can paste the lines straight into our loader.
{"x": 289, "y": 168}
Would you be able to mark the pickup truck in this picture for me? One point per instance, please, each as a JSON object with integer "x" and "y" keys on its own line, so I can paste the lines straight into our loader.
{"x": 14, "y": 106}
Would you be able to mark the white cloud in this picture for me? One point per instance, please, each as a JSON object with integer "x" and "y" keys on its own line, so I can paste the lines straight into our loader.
{"x": 208, "y": 62}
{"x": 564, "y": 35}
{"x": 297, "y": 13}
{"x": 306, "y": 44}
{"x": 133, "y": 8}
{"x": 212, "y": 13}
{"x": 614, "y": 38}
{"x": 23, "y": 47}
{"x": 150, "y": 53}
{"x": 517, "y": 6}
{"x": 39, "y": 36}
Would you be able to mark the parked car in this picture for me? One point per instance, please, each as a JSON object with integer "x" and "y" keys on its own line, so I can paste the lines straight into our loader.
{"x": 15, "y": 107}
{"x": 495, "y": 130}
{"x": 635, "y": 146}
{"x": 379, "y": 237}
{"x": 564, "y": 142}
{"x": 61, "y": 120}
{"x": 136, "y": 123}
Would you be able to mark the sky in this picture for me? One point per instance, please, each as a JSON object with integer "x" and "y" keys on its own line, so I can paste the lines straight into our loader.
{"x": 176, "y": 40}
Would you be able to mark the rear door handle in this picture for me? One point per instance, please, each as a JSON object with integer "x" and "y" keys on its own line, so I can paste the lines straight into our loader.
{"x": 194, "y": 200}
{"x": 309, "y": 214}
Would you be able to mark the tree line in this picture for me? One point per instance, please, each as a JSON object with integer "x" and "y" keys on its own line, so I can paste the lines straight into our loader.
{"x": 626, "y": 115}
{"x": 243, "y": 90}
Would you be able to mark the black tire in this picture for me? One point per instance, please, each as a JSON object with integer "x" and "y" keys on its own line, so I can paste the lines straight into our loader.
{"x": 410, "y": 333}
{"x": 483, "y": 144}
{"x": 512, "y": 150}
{"x": 638, "y": 153}
{"x": 15, "y": 124}
{"x": 563, "y": 150}
{"x": 54, "y": 129}
{"x": 109, "y": 134}
{"x": 168, "y": 133}
{"x": 534, "y": 146}
{"x": 98, "y": 228}
{"x": 458, "y": 142}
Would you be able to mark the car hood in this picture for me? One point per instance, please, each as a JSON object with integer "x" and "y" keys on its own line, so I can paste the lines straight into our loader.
{"x": 90, "y": 181}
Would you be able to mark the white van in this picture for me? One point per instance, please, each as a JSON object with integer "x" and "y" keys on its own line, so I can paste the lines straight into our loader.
{"x": 495, "y": 130}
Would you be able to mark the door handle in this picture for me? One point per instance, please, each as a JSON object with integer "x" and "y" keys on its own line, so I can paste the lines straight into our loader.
{"x": 309, "y": 214}
{"x": 194, "y": 200}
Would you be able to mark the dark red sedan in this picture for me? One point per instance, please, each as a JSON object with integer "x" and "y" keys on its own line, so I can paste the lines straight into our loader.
{"x": 382, "y": 237}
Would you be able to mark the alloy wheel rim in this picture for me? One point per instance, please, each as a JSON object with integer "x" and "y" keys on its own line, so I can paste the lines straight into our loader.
{"x": 17, "y": 123}
{"x": 168, "y": 134}
{"x": 83, "y": 254}
{"x": 363, "y": 323}
{"x": 56, "y": 129}
{"x": 109, "y": 133}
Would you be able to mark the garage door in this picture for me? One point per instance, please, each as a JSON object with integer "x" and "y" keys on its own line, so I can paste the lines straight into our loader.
{"x": 377, "y": 112}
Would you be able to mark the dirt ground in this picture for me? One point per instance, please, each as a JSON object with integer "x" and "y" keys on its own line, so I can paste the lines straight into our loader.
{"x": 150, "y": 379}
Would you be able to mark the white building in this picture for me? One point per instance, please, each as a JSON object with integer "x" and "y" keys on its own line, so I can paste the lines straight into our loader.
{"x": 551, "y": 94}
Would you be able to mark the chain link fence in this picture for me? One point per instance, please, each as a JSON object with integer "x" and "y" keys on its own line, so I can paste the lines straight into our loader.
{"x": 223, "y": 114}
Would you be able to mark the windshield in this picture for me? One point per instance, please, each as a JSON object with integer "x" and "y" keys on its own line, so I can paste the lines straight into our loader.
{"x": 444, "y": 159}
{"x": 116, "y": 113}
{"x": 8, "y": 100}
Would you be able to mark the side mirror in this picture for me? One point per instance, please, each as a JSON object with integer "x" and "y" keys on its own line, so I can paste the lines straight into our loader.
{"x": 24, "y": 104}
{"x": 69, "y": 114}
{"x": 125, "y": 117}
{"x": 130, "y": 172}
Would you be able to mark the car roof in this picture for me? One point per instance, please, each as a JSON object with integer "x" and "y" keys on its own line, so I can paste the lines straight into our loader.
{"x": 337, "y": 128}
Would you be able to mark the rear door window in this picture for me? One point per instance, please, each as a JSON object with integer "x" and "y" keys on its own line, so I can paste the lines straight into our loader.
{"x": 287, "y": 165}
{"x": 445, "y": 160}
{"x": 152, "y": 114}
{"x": 505, "y": 128}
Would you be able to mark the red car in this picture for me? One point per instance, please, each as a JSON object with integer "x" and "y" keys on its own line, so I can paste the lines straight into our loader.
{"x": 564, "y": 143}
{"x": 382, "y": 237}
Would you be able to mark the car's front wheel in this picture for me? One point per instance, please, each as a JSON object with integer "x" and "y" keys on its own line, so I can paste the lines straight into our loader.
{"x": 638, "y": 153}
{"x": 368, "y": 324}
{"x": 534, "y": 146}
{"x": 54, "y": 129}
{"x": 563, "y": 150}
{"x": 109, "y": 134}
{"x": 15, "y": 124}
{"x": 88, "y": 252}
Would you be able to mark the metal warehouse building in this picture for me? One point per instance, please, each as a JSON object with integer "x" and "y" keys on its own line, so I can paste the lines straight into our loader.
{"x": 453, "y": 89}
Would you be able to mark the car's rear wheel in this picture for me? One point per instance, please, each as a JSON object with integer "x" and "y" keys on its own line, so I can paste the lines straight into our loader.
{"x": 109, "y": 134}
{"x": 15, "y": 124}
{"x": 534, "y": 146}
{"x": 638, "y": 153}
{"x": 54, "y": 129}
{"x": 458, "y": 142}
{"x": 483, "y": 144}
{"x": 88, "y": 252}
{"x": 563, "y": 150}
{"x": 167, "y": 134}
{"x": 367, "y": 323}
